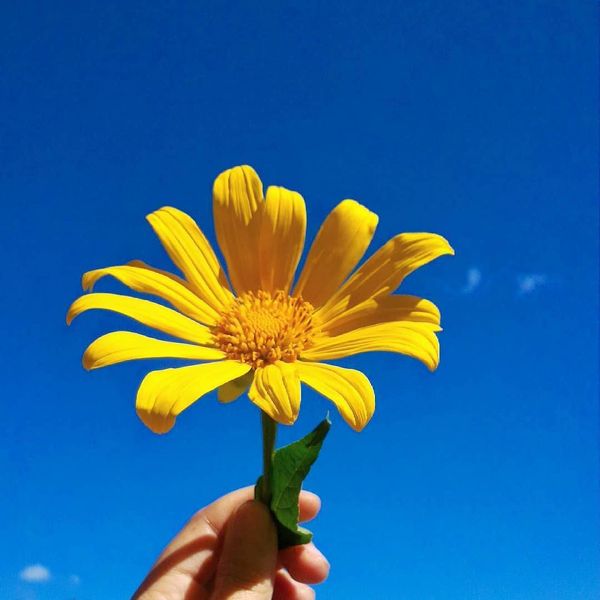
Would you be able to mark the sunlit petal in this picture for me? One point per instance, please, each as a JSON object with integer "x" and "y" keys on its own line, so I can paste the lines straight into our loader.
{"x": 340, "y": 244}
{"x": 276, "y": 391}
{"x": 163, "y": 395}
{"x": 233, "y": 389}
{"x": 417, "y": 340}
{"x": 384, "y": 309}
{"x": 281, "y": 238}
{"x": 121, "y": 346}
{"x": 237, "y": 207}
{"x": 142, "y": 265}
{"x": 149, "y": 281}
{"x": 385, "y": 270}
{"x": 189, "y": 249}
{"x": 349, "y": 390}
{"x": 146, "y": 312}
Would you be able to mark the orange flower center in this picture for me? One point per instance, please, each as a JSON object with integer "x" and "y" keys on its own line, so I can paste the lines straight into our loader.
{"x": 261, "y": 328}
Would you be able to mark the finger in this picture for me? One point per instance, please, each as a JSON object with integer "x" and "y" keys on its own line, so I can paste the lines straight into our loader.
{"x": 189, "y": 561}
{"x": 288, "y": 589}
{"x": 248, "y": 561}
{"x": 305, "y": 563}
{"x": 309, "y": 505}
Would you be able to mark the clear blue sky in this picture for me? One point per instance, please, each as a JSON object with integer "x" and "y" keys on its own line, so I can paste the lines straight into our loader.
{"x": 473, "y": 119}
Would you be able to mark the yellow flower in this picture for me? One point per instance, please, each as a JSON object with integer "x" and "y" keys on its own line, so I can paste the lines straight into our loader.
{"x": 255, "y": 328}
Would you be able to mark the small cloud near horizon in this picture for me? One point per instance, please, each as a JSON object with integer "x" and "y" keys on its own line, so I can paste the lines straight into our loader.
{"x": 473, "y": 280}
{"x": 35, "y": 574}
{"x": 528, "y": 284}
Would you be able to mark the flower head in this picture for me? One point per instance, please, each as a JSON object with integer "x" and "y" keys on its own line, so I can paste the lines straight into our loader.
{"x": 252, "y": 328}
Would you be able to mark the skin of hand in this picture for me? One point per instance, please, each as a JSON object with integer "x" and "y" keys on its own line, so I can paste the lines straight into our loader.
{"x": 228, "y": 551}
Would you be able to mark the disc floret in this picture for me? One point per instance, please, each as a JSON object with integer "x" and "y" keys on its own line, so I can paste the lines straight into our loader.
{"x": 261, "y": 328}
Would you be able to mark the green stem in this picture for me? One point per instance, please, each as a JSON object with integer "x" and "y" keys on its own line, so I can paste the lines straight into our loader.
{"x": 269, "y": 431}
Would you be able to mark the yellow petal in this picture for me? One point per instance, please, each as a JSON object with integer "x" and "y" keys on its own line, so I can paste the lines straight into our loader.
{"x": 193, "y": 255}
{"x": 341, "y": 242}
{"x": 148, "y": 313}
{"x": 237, "y": 207}
{"x": 384, "y": 309}
{"x": 386, "y": 269}
{"x": 121, "y": 346}
{"x": 142, "y": 265}
{"x": 149, "y": 281}
{"x": 163, "y": 395}
{"x": 416, "y": 339}
{"x": 281, "y": 238}
{"x": 349, "y": 390}
{"x": 276, "y": 391}
{"x": 233, "y": 389}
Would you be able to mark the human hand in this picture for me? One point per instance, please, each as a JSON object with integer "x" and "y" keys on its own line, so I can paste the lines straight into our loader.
{"x": 228, "y": 551}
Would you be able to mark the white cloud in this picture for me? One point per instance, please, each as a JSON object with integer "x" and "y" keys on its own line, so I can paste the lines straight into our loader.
{"x": 529, "y": 283}
{"x": 473, "y": 280}
{"x": 35, "y": 574}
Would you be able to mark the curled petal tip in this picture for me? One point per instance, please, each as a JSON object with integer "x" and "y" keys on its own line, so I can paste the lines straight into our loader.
{"x": 86, "y": 363}
{"x": 358, "y": 428}
{"x": 447, "y": 247}
{"x": 152, "y": 215}
{"x": 87, "y": 283}
{"x": 156, "y": 424}
{"x": 450, "y": 249}
{"x": 289, "y": 419}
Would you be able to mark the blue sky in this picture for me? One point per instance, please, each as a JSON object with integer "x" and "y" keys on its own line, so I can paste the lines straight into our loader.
{"x": 473, "y": 119}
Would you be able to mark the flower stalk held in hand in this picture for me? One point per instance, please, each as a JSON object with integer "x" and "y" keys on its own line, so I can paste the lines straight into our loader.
{"x": 252, "y": 329}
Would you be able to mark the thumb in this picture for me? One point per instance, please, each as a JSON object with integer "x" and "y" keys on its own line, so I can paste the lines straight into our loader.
{"x": 248, "y": 561}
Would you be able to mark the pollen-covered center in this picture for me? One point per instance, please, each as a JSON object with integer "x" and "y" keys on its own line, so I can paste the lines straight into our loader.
{"x": 261, "y": 328}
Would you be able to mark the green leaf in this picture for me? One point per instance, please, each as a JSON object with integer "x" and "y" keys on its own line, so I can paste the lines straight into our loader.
{"x": 291, "y": 465}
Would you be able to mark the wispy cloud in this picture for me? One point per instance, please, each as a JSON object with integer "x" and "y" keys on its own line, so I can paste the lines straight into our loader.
{"x": 526, "y": 284}
{"x": 74, "y": 579}
{"x": 35, "y": 574}
{"x": 473, "y": 280}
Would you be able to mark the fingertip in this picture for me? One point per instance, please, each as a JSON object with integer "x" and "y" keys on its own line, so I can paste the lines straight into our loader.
{"x": 305, "y": 563}
{"x": 310, "y": 498}
{"x": 309, "y": 505}
{"x": 287, "y": 589}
